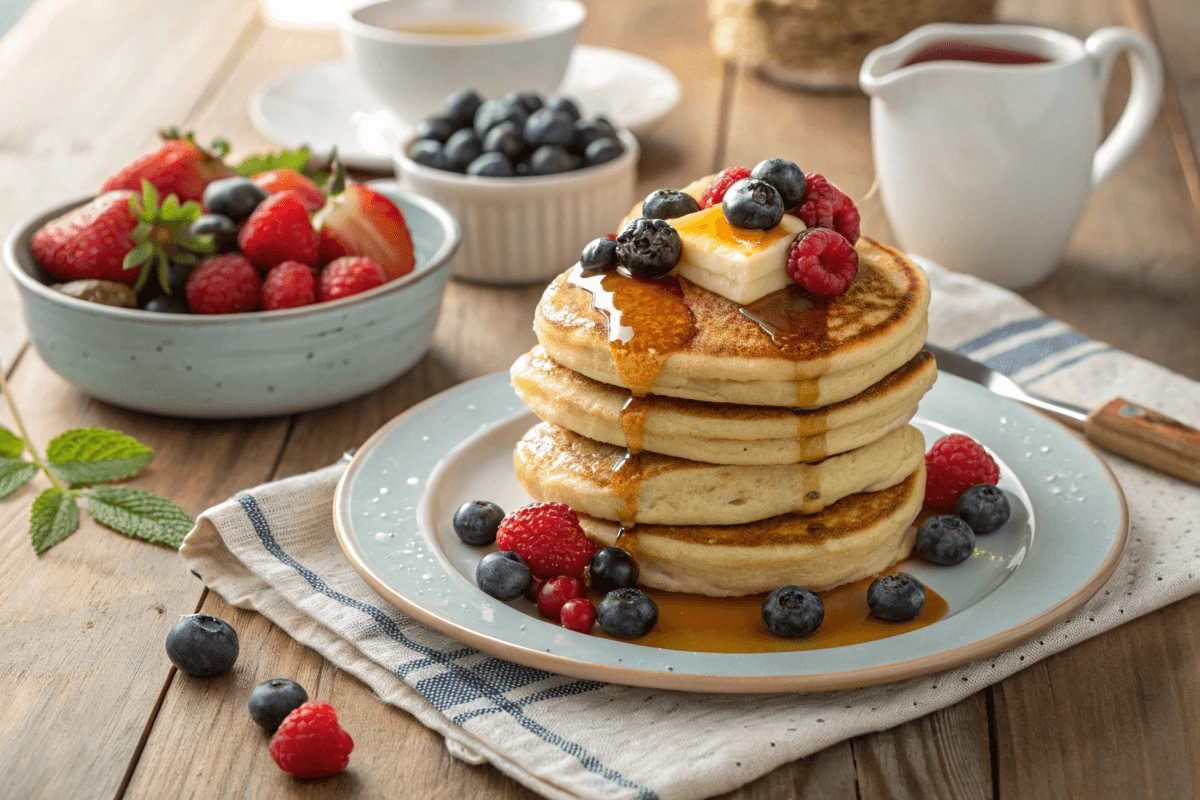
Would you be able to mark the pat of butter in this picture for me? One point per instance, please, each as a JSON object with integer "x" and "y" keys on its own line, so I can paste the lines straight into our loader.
{"x": 741, "y": 255}
{"x": 741, "y": 293}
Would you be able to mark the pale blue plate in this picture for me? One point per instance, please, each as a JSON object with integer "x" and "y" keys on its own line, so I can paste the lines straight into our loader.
{"x": 394, "y": 505}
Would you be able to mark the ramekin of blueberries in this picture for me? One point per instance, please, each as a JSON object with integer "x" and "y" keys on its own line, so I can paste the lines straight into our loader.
{"x": 533, "y": 179}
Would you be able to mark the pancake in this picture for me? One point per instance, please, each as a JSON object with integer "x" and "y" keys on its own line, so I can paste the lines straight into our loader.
{"x": 859, "y": 536}
{"x": 719, "y": 433}
{"x": 674, "y": 338}
{"x": 601, "y": 480}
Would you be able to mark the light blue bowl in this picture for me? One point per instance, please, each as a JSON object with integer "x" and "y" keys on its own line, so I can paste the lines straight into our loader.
{"x": 241, "y": 365}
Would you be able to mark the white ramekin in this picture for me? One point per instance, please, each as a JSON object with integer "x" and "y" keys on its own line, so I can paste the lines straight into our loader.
{"x": 525, "y": 230}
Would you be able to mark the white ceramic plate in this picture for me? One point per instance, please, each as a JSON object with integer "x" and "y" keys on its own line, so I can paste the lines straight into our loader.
{"x": 393, "y": 509}
{"x": 325, "y": 104}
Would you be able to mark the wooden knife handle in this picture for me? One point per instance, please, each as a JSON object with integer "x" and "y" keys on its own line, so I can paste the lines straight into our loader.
{"x": 1147, "y": 437}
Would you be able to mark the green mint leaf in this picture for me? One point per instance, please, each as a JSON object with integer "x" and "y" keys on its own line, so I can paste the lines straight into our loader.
{"x": 142, "y": 515}
{"x": 54, "y": 517}
{"x": 14, "y": 473}
{"x": 285, "y": 159}
{"x": 94, "y": 455}
{"x": 11, "y": 445}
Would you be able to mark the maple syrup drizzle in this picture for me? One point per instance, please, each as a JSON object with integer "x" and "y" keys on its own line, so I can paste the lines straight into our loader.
{"x": 734, "y": 624}
{"x": 633, "y": 422}
{"x": 648, "y": 320}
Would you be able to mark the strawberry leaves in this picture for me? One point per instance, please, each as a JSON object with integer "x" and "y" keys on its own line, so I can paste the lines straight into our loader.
{"x": 162, "y": 235}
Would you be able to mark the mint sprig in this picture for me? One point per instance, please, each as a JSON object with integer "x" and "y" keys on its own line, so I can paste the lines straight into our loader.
{"x": 86, "y": 457}
{"x": 285, "y": 159}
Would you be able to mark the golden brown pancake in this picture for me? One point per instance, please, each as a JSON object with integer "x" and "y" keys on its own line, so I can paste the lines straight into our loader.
{"x": 854, "y": 538}
{"x": 718, "y": 433}
{"x": 680, "y": 340}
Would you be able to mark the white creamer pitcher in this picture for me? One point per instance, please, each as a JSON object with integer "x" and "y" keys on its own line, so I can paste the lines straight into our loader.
{"x": 985, "y": 168}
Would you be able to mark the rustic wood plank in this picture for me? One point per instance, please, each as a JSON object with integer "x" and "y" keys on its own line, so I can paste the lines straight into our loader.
{"x": 202, "y": 723}
{"x": 93, "y": 82}
{"x": 83, "y": 625}
{"x": 828, "y": 774}
{"x": 1176, "y": 26}
{"x": 1113, "y": 716}
{"x": 945, "y": 754}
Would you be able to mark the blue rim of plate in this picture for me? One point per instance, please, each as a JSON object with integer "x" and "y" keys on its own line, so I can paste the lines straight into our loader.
{"x": 1074, "y": 554}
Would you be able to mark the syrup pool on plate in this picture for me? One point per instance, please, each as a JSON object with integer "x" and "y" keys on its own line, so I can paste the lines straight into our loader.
{"x": 734, "y": 624}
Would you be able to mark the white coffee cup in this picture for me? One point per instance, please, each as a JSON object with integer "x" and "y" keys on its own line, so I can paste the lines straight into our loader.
{"x": 985, "y": 168}
{"x": 413, "y": 71}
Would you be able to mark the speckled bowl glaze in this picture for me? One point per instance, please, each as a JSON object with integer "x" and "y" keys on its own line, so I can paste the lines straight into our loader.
{"x": 241, "y": 365}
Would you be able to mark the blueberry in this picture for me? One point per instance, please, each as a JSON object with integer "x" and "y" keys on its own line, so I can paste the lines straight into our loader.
{"x": 177, "y": 275}
{"x": 785, "y": 176}
{"x": 462, "y": 106}
{"x": 548, "y": 127}
{"x": 603, "y": 150}
{"x": 493, "y": 112}
{"x": 235, "y": 198}
{"x": 491, "y": 165}
{"x": 564, "y": 105}
{"x": 945, "y": 540}
{"x": 792, "y": 612}
{"x": 165, "y": 304}
{"x": 589, "y": 130}
{"x": 429, "y": 152}
{"x": 984, "y": 507}
{"x": 438, "y": 127}
{"x": 462, "y": 148}
{"x": 668, "y": 204}
{"x": 530, "y": 101}
{"x": 612, "y": 568}
{"x": 506, "y": 139}
{"x": 549, "y": 159}
{"x": 599, "y": 254}
{"x": 223, "y": 230}
{"x": 476, "y": 522}
{"x": 627, "y": 613}
{"x": 896, "y": 598}
{"x": 752, "y": 204}
{"x": 202, "y": 645}
{"x": 502, "y": 575}
{"x": 273, "y": 700}
{"x": 648, "y": 248}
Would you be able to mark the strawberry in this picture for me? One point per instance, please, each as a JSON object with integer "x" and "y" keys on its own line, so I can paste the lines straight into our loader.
{"x": 279, "y": 230}
{"x": 118, "y": 231}
{"x": 179, "y": 167}
{"x": 285, "y": 178}
{"x": 359, "y": 221}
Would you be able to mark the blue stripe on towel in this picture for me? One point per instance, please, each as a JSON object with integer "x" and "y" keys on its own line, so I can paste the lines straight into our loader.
{"x": 1030, "y": 353}
{"x": 459, "y": 684}
{"x": 1004, "y": 332}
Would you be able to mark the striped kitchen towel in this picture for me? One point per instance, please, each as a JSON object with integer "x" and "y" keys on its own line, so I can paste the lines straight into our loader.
{"x": 272, "y": 549}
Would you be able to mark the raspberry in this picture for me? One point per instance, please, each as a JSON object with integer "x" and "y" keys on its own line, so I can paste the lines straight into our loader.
{"x": 823, "y": 262}
{"x": 224, "y": 284}
{"x": 289, "y": 285}
{"x": 548, "y": 537}
{"x": 716, "y": 190}
{"x": 826, "y": 206}
{"x": 954, "y": 464}
{"x": 348, "y": 276}
{"x": 309, "y": 743}
{"x": 554, "y": 594}
{"x": 578, "y": 614}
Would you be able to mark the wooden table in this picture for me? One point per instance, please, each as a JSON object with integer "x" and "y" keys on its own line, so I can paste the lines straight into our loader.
{"x": 90, "y": 705}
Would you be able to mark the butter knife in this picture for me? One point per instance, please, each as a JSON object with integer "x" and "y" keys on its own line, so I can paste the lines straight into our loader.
{"x": 1119, "y": 426}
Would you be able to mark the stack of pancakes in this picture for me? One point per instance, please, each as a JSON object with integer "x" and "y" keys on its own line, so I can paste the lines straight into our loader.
{"x": 733, "y": 449}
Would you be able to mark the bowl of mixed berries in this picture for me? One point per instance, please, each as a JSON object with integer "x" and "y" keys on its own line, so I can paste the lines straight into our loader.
{"x": 533, "y": 179}
{"x": 192, "y": 287}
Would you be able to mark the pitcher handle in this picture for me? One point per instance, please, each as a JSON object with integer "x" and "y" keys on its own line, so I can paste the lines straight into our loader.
{"x": 1145, "y": 96}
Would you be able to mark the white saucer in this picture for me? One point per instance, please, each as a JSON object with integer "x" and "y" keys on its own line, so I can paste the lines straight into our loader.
{"x": 325, "y": 105}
